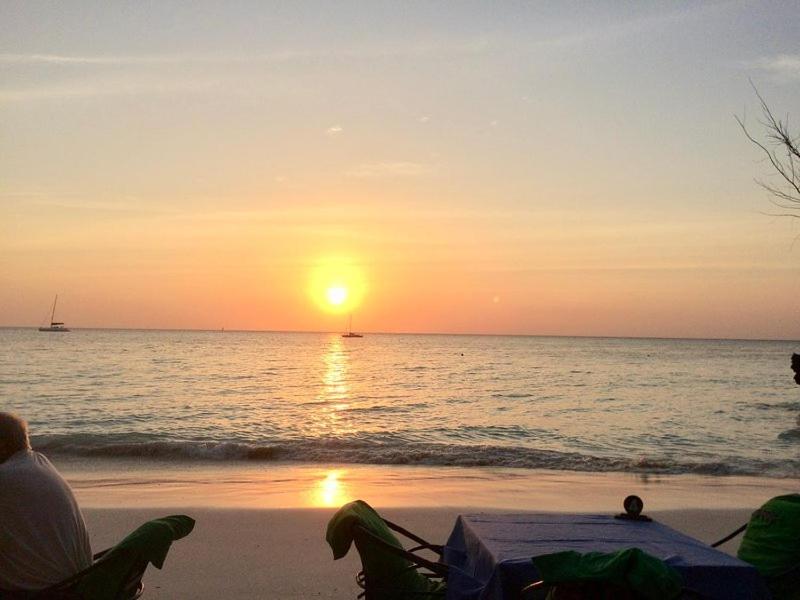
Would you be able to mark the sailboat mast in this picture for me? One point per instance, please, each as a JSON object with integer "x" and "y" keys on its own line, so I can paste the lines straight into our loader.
{"x": 53, "y": 314}
{"x": 350, "y": 324}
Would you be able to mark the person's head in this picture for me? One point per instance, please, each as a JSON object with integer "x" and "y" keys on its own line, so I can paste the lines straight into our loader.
{"x": 796, "y": 367}
{"x": 13, "y": 435}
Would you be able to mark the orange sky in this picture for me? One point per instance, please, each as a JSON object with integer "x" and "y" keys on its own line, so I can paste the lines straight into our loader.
{"x": 419, "y": 271}
{"x": 536, "y": 171}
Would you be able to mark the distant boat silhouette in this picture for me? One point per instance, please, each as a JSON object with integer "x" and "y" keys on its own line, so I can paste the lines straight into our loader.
{"x": 55, "y": 326}
{"x": 350, "y": 333}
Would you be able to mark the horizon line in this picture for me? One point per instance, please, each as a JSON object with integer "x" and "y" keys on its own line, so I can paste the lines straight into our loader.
{"x": 317, "y": 332}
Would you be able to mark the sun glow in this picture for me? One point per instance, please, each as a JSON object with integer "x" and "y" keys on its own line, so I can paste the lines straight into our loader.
{"x": 337, "y": 286}
{"x": 336, "y": 294}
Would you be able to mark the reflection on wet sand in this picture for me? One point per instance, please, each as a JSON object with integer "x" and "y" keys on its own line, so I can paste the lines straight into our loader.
{"x": 331, "y": 491}
{"x": 289, "y": 485}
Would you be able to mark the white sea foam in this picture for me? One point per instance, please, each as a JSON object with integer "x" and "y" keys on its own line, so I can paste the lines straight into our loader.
{"x": 348, "y": 451}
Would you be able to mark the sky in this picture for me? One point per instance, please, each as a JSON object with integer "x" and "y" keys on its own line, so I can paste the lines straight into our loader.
{"x": 550, "y": 168}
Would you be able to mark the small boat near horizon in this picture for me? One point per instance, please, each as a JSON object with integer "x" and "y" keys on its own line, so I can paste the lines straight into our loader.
{"x": 55, "y": 326}
{"x": 350, "y": 333}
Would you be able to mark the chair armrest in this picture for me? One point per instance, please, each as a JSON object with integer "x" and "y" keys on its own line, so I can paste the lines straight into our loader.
{"x": 437, "y": 568}
{"x": 100, "y": 554}
{"x": 422, "y": 542}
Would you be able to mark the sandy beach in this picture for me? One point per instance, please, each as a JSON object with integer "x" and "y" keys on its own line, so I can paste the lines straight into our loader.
{"x": 260, "y": 532}
{"x": 281, "y": 553}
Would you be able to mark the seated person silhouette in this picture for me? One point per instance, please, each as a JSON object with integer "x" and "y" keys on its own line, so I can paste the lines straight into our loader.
{"x": 43, "y": 537}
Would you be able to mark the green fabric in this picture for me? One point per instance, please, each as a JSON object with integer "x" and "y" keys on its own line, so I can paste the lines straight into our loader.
{"x": 772, "y": 540}
{"x": 147, "y": 544}
{"x": 631, "y": 568}
{"x": 385, "y": 570}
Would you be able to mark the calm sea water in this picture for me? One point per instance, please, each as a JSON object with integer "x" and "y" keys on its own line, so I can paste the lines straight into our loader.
{"x": 584, "y": 404}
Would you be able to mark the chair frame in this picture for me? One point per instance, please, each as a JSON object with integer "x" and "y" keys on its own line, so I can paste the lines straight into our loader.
{"x": 63, "y": 589}
{"x": 730, "y": 536}
{"x": 432, "y": 570}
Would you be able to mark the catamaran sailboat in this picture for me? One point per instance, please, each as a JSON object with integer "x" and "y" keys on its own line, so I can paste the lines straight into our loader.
{"x": 350, "y": 333}
{"x": 54, "y": 325}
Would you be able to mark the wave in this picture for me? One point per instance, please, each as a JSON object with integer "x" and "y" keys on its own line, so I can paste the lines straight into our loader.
{"x": 792, "y": 406}
{"x": 393, "y": 452}
{"x": 790, "y": 434}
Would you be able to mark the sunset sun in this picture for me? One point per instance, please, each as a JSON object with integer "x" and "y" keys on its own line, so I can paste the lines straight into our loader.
{"x": 337, "y": 285}
{"x": 336, "y": 294}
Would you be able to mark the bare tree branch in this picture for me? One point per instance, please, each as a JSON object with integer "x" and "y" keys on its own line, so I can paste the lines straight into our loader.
{"x": 782, "y": 149}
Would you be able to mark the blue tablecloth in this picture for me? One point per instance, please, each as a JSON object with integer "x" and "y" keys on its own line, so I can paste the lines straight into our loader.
{"x": 492, "y": 553}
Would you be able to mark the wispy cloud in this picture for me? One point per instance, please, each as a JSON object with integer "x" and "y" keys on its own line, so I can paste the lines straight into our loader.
{"x": 60, "y": 200}
{"x": 333, "y": 130}
{"x": 165, "y": 71}
{"x": 389, "y": 169}
{"x": 390, "y": 49}
{"x": 150, "y": 59}
{"x": 58, "y": 59}
{"x": 386, "y": 50}
{"x": 118, "y": 85}
{"x": 419, "y": 48}
{"x": 782, "y": 66}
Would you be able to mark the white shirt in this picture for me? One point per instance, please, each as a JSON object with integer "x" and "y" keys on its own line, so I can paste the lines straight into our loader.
{"x": 43, "y": 538}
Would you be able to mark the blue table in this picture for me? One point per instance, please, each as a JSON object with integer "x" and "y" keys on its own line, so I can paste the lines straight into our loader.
{"x": 491, "y": 553}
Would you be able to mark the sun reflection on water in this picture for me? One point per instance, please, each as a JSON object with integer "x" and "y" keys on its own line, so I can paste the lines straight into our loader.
{"x": 335, "y": 377}
{"x": 335, "y": 391}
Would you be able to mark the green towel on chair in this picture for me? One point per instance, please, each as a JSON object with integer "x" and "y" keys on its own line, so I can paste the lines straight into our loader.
{"x": 147, "y": 544}
{"x": 772, "y": 539}
{"x": 631, "y": 569}
{"x": 383, "y": 569}
{"x": 772, "y": 544}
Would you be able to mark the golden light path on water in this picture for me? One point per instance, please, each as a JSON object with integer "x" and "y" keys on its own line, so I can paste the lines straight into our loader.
{"x": 330, "y": 491}
{"x": 335, "y": 391}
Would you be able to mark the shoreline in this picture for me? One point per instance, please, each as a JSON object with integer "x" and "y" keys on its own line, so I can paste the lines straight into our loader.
{"x": 154, "y": 484}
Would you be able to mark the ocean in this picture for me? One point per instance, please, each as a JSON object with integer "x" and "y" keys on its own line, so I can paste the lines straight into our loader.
{"x": 649, "y": 406}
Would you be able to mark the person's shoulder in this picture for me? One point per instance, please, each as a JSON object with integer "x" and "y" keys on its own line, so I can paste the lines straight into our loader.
{"x": 38, "y": 457}
{"x": 27, "y": 466}
{"x": 17, "y": 458}
{"x": 24, "y": 459}
{"x": 14, "y": 464}
{"x": 41, "y": 461}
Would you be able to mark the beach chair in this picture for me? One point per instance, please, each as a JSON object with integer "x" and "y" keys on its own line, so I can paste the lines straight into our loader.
{"x": 116, "y": 573}
{"x": 771, "y": 543}
{"x": 389, "y": 571}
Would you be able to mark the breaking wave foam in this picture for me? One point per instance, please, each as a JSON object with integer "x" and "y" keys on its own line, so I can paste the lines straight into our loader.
{"x": 334, "y": 450}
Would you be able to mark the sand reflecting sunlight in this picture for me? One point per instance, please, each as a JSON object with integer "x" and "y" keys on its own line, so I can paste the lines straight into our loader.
{"x": 331, "y": 491}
